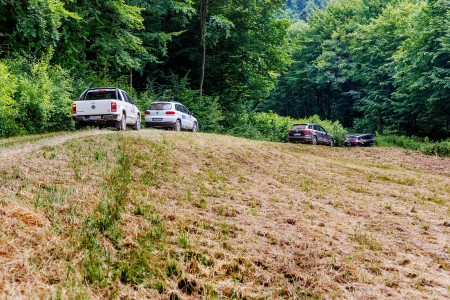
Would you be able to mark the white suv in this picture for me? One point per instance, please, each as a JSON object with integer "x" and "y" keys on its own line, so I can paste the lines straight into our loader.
{"x": 170, "y": 115}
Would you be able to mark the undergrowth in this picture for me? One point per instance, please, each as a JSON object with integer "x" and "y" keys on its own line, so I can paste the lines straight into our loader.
{"x": 440, "y": 148}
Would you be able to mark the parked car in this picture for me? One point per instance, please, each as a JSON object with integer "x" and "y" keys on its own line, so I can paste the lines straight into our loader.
{"x": 172, "y": 115}
{"x": 359, "y": 140}
{"x": 310, "y": 133}
{"x": 106, "y": 106}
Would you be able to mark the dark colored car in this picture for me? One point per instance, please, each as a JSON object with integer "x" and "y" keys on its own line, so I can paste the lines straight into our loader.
{"x": 310, "y": 133}
{"x": 359, "y": 140}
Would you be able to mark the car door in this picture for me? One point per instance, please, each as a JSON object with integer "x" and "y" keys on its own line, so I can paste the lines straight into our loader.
{"x": 325, "y": 136}
{"x": 319, "y": 133}
{"x": 367, "y": 140}
{"x": 182, "y": 112}
{"x": 129, "y": 108}
{"x": 189, "y": 120}
{"x": 180, "y": 115}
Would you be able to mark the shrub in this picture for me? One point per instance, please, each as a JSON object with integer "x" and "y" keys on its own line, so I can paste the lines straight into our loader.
{"x": 441, "y": 148}
{"x": 42, "y": 96}
{"x": 8, "y": 108}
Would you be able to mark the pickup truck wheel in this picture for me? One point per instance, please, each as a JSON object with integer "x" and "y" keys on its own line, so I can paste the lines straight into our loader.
{"x": 177, "y": 126}
{"x": 314, "y": 140}
{"x": 331, "y": 143}
{"x": 121, "y": 125}
{"x": 194, "y": 127}
{"x": 137, "y": 125}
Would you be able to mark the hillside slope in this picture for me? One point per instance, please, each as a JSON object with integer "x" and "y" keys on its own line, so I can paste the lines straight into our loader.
{"x": 167, "y": 215}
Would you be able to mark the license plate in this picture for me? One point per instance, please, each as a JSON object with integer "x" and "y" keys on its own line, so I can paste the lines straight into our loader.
{"x": 94, "y": 117}
{"x": 157, "y": 119}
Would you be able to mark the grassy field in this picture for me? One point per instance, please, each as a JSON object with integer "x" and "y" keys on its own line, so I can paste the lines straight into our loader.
{"x": 167, "y": 215}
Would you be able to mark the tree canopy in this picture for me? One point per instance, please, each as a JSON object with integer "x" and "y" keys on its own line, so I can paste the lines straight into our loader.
{"x": 374, "y": 65}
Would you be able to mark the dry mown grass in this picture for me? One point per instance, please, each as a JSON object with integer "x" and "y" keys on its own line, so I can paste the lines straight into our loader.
{"x": 166, "y": 215}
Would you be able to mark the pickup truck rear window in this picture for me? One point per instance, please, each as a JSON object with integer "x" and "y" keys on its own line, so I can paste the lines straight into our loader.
{"x": 160, "y": 106}
{"x": 100, "y": 95}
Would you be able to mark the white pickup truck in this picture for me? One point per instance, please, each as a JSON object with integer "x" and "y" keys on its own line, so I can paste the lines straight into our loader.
{"x": 106, "y": 106}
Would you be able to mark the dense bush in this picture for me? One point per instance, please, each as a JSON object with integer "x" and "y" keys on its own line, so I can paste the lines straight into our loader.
{"x": 35, "y": 97}
{"x": 259, "y": 126}
{"x": 8, "y": 109}
{"x": 441, "y": 148}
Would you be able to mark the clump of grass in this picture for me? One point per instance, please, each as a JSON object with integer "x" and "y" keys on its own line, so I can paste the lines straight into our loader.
{"x": 366, "y": 240}
{"x": 184, "y": 240}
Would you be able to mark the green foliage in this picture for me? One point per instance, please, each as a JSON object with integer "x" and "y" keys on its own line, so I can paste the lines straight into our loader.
{"x": 260, "y": 126}
{"x": 272, "y": 127}
{"x": 384, "y": 63}
{"x": 61, "y": 48}
{"x": 441, "y": 148}
{"x": 8, "y": 109}
{"x": 37, "y": 98}
{"x": 33, "y": 26}
{"x": 364, "y": 125}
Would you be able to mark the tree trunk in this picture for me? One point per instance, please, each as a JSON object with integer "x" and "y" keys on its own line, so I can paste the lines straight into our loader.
{"x": 204, "y": 6}
{"x": 379, "y": 125}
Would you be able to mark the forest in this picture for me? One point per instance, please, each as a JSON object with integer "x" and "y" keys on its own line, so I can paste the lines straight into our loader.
{"x": 245, "y": 67}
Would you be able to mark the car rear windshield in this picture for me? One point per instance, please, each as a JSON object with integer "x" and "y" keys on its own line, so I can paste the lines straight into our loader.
{"x": 300, "y": 127}
{"x": 100, "y": 95}
{"x": 160, "y": 106}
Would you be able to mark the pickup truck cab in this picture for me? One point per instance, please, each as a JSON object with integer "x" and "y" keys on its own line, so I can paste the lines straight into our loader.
{"x": 106, "y": 106}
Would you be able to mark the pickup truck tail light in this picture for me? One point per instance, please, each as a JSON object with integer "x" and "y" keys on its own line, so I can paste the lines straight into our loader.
{"x": 147, "y": 112}
{"x": 170, "y": 112}
{"x": 113, "y": 106}
{"x": 74, "y": 108}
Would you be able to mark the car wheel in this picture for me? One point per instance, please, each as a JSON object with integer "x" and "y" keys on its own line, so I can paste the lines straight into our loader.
{"x": 331, "y": 143}
{"x": 137, "y": 125}
{"x": 194, "y": 127}
{"x": 177, "y": 126}
{"x": 314, "y": 140}
{"x": 121, "y": 125}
